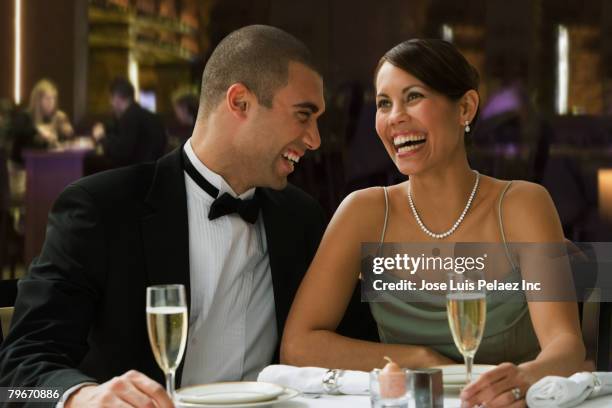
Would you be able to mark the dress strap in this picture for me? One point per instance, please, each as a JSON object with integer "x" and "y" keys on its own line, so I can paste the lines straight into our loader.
{"x": 384, "y": 230}
{"x": 501, "y": 224}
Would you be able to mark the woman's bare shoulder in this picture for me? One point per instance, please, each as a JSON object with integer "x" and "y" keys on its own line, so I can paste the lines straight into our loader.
{"x": 359, "y": 215}
{"x": 372, "y": 200}
{"x": 518, "y": 192}
{"x": 364, "y": 202}
{"x": 530, "y": 214}
{"x": 524, "y": 195}
{"x": 61, "y": 115}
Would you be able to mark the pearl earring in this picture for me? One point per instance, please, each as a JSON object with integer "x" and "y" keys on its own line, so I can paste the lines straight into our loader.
{"x": 467, "y": 127}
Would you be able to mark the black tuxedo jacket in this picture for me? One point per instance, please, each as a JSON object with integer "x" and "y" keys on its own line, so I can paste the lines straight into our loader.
{"x": 80, "y": 312}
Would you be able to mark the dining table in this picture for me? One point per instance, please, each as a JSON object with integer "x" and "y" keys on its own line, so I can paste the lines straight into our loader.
{"x": 48, "y": 172}
{"x": 363, "y": 401}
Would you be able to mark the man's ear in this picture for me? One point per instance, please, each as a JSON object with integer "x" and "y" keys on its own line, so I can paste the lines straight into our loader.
{"x": 468, "y": 105}
{"x": 239, "y": 100}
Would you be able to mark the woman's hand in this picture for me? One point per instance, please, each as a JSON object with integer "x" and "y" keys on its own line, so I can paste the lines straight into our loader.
{"x": 47, "y": 134}
{"x": 63, "y": 124}
{"x": 503, "y": 386}
{"x": 98, "y": 131}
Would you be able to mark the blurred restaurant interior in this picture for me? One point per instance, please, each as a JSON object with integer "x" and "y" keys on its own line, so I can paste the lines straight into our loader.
{"x": 546, "y": 92}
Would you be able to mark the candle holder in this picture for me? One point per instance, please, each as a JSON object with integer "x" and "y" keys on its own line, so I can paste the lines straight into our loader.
{"x": 428, "y": 388}
{"x": 390, "y": 389}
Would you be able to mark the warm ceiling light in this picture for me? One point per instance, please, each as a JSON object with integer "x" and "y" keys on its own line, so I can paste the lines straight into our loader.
{"x": 604, "y": 192}
{"x": 447, "y": 33}
{"x": 17, "y": 52}
{"x": 133, "y": 76}
{"x": 562, "y": 69}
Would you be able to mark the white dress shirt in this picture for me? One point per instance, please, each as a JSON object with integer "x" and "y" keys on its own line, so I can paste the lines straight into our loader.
{"x": 232, "y": 322}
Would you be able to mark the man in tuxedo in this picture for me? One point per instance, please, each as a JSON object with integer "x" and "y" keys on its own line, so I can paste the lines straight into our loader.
{"x": 216, "y": 215}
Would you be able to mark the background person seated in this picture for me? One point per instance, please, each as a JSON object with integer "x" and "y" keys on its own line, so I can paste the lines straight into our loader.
{"x": 185, "y": 102}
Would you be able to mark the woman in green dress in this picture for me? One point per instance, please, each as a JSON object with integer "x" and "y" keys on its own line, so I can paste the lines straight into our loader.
{"x": 427, "y": 104}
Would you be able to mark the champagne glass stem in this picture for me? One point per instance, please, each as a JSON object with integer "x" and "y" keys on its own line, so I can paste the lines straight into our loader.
{"x": 468, "y": 369}
{"x": 170, "y": 384}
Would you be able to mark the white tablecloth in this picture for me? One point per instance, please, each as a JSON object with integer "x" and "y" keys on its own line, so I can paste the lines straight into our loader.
{"x": 335, "y": 401}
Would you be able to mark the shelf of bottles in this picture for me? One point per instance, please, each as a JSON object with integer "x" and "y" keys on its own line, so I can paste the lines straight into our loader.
{"x": 153, "y": 31}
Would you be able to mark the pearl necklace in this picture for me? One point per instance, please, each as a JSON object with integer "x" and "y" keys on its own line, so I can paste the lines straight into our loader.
{"x": 456, "y": 225}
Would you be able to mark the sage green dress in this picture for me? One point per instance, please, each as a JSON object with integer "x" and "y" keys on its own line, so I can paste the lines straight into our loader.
{"x": 508, "y": 335}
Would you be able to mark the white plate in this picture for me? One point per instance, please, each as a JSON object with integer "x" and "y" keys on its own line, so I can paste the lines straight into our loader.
{"x": 453, "y": 389}
{"x": 197, "y": 390}
{"x": 455, "y": 374}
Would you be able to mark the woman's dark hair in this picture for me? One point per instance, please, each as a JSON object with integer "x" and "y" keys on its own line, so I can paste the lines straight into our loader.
{"x": 436, "y": 63}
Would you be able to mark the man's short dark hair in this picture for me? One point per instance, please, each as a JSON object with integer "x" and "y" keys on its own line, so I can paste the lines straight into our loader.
{"x": 256, "y": 56}
{"x": 122, "y": 87}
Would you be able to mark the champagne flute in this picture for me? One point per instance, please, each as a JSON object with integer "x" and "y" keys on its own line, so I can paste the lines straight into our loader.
{"x": 167, "y": 327}
{"x": 466, "y": 309}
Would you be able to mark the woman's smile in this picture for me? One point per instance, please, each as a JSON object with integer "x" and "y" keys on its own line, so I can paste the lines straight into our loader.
{"x": 407, "y": 144}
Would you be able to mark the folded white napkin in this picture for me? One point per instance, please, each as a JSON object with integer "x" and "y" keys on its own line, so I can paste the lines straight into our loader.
{"x": 569, "y": 392}
{"x": 310, "y": 379}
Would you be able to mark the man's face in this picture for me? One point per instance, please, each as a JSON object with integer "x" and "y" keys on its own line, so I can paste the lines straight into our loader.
{"x": 118, "y": 104}
{"x": 278, "y": 137}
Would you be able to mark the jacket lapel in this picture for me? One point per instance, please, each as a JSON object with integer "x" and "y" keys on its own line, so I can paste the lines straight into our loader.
{"x": 280, "y": 244}
{"x": 165, "y": 229}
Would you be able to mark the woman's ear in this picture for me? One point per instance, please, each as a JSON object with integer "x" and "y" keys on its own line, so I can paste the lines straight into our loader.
{"x": 238, "y": 100}
{"x": 468, "y": 106}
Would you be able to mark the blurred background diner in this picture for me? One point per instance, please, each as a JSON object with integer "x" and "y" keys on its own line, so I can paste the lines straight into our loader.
{"x": 185, "y": 102}
{"x": 42, "y": 125}
{"x": 91, "y": 85}
{"x": 132, "y": 134}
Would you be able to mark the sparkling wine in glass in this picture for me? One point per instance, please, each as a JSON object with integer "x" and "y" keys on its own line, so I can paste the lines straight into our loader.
{"x": 167, "y": 326}
{"x": 466, "y": 309}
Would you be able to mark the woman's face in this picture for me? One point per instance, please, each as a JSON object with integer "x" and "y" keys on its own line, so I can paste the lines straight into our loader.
{"x": 48, "y": 103}
{"x": 419, "y": 127}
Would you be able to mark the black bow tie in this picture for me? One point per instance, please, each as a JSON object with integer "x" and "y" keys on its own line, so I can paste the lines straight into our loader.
{"x": 225, "y": 204}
